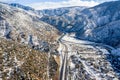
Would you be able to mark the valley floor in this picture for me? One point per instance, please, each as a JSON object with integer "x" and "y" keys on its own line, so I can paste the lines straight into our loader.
{"x": 85, "y": 60}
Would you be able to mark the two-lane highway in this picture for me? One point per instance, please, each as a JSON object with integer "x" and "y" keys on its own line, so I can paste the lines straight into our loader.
{"x": 64, "y": 59}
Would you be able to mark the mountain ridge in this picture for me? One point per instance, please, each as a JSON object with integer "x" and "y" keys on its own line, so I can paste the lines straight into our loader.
{"x": 60, "y": 54}
{"x": 83, "y": 23}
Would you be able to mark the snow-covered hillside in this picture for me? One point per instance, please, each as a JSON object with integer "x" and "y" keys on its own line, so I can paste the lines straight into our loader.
{"x": 21, "y": 32}
{"x": 68, "y": 58}
{"x": 99, "y": 23}
{"x": 22, "y": 6}
{"x": 61, "y": 11}
{"x": 62, "y": 18}
{"x": 25, "y": 27}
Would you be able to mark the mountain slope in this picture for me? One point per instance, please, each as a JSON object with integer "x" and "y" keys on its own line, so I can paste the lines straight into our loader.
{"x": 27, "y": 8}
{"x": 62, "y": 18}
{"x": 17, "y": 29}
{"x": 61, "y": 11}
{"x": 103, "y": 23}
{"x": 89, "y": 23}
{"x": 19, "y": 62}
{"x": 25, "y": 27}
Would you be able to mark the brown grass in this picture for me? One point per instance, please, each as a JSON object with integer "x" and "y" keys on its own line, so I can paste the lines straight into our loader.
{"x": 30, "y": 65}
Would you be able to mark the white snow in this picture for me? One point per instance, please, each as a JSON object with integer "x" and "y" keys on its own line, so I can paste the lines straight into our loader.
{"x": 90, "y": 71}
{"x": 68, "y": 40}
{"x": 104, "y": 51}
{"x": 76, "y": 41}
